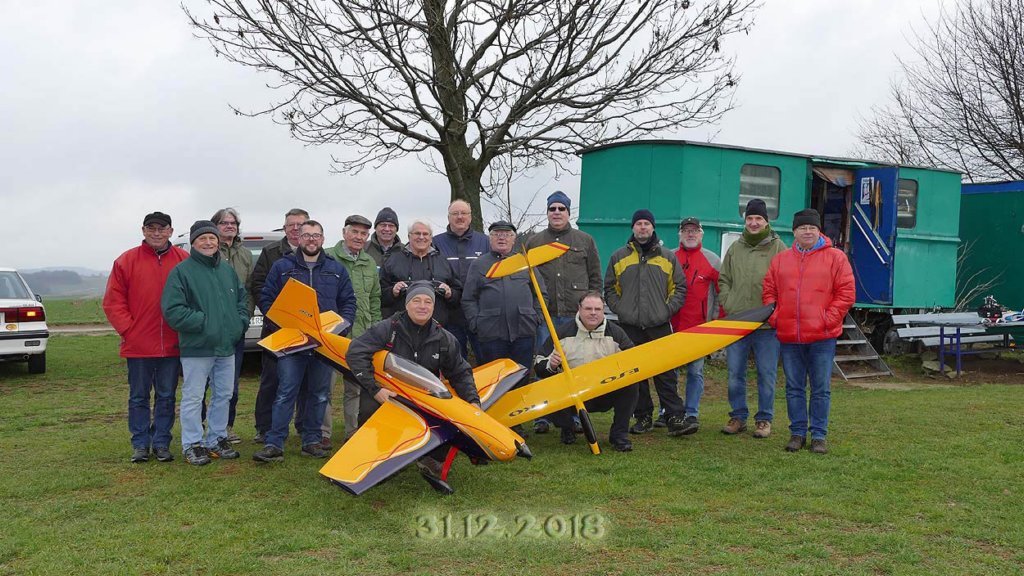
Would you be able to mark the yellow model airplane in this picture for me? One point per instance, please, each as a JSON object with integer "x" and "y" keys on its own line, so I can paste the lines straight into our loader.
{"x": 575, "y": 385}
{"x": 423, "y": 416}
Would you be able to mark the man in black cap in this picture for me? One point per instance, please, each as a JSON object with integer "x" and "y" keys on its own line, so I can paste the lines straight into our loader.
{"x": 132, "y": 305}
{"x": 504, "y": 312}
{"x": 740, "y": 284}
{"x": 644, "y": 286}
{"x": 385, "y": 238}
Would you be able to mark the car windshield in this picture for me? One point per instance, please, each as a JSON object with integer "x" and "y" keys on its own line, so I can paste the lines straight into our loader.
{"x": 11, "y": 286}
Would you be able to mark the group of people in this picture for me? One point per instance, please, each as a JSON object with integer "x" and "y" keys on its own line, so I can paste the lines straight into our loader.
{"x": 431, "y": 301}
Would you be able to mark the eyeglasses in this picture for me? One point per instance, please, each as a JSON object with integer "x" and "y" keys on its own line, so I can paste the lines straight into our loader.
{"x": 154, "y": 229}
{"x": 503, "y": 233}
{"x": 227, "y": 223}
{"x": 460, "y": 213}
{"x": 557, "y": 209}
{"x": 308, "y": 236}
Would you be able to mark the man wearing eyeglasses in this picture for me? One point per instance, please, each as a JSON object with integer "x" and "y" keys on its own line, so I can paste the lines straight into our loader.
{"x": 271, "y": 253}
{"x": 567, "y": 278}
{"x": 132, "y": 305}
{"x": 461, "y": 246}
{"x": 311, "y": 266}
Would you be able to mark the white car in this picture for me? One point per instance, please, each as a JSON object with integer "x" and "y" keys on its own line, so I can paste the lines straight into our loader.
{"x": 23, "y": 331}
{"x": 254, "y": 241}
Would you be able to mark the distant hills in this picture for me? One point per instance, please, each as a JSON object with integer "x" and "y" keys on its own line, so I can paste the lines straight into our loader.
{"x": 71, "y": 282}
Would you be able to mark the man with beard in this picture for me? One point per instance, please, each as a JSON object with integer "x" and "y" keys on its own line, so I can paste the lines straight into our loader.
{"x": 644, "y": 286}
{"x": 312, "y": 267}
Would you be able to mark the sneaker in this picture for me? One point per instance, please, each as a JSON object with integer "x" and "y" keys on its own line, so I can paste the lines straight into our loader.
{"x": 577, "y": 425}
{"x": 196, "y": 455}
{"x": 541, "y": 426}
{"x": 643, "y": 425}
{"x": 735, "y": 426}
{"x": 325, "y": 443}
{"x": 795, "y": 443}
{"x": 568, "y": 436}
{"x": 661, "y": 422}
{"x": 233, "y": 438}
{"x": 163, "y": 455}
{"x": 269, "y": 454}
{"x": 819, "y": 446}
{"x": 314, "y": 451}
{"x": 140, "y": 455}
{"x": 260, "y": 438}
{"x": 622, "y": 446}
{"x": 689, "y": 425}
{"x": 223, "y": 450}
{"x": 762, "y": 429}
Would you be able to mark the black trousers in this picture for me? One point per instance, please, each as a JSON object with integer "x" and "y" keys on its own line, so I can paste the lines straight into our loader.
{"x": 666, "y": 383}
{"x": 622, "y": 401}
{"x": 267, "y": 392}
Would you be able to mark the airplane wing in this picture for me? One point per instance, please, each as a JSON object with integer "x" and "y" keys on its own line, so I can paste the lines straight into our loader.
{"x": 623, "y": 368}
{"x": 288, "y": 341}
{"x": 495, "y": 379}
{"x": 536, "y": 256}
{"x": 395, "y": 436}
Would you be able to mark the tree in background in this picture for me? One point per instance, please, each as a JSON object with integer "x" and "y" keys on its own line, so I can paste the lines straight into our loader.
{"x": 487, "y": 87}
{"x": 960, "y": 105}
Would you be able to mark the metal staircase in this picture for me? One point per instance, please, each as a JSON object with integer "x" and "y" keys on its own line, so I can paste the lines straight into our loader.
{"x": 855, "y": 357}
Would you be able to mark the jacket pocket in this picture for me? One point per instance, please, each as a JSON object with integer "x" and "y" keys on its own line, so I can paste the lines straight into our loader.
{"x": 528, "y": 321}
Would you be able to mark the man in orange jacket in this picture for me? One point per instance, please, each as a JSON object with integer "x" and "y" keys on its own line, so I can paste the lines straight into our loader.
{"x": 132, "y": 306}
{"x": 812, "y": 287}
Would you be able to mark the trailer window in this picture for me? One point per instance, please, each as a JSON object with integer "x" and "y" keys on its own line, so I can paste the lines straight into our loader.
{"x": 760, "y": 182}
{"x": 906, "y": 204}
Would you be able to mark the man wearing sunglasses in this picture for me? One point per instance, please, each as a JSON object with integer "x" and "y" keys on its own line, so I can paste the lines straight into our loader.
{"x": 311, "y": 266}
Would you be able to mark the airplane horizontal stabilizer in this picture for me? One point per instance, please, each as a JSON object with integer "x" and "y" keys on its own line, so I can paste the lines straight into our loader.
{"x": 536, "y": 256}
{"x": 288, "y": 341}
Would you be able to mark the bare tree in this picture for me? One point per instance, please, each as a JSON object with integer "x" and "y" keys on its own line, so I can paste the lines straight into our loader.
{"x": 961, "y": 104}
{"x": 476, "y": 82}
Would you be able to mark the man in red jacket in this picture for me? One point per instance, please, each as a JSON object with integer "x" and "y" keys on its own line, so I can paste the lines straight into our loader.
{"x": 811, "y": 285}
{"x": 132, "y": 306}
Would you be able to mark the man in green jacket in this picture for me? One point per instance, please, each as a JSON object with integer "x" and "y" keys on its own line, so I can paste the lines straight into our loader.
{"x": 362, "y": 269}
{"x": 204, "y": 301}
{"x": 743, "y": 271}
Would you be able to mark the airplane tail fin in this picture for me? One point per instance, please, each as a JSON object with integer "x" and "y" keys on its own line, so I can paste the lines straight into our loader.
{"x": 297, "y": 312}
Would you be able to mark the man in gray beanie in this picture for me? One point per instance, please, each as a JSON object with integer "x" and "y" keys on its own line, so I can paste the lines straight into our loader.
{"x": 385, "y": 238}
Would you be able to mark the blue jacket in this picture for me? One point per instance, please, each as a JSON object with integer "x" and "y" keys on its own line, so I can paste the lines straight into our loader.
{"x": 327, "y": 276}
{"x": 461, "y": 251}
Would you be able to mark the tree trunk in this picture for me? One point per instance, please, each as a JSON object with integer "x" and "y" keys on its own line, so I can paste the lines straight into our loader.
{"x": 464, "y": 173}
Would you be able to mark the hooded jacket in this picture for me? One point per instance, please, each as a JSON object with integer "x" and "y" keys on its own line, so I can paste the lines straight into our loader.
{"x": 812, "y": 292}
{"x": 700, "y": 268}
{"x": 742, "y": 276}
{"x": 132, "y": 301}
{"x": 362, "y": 272}
{"x": 404, "y": 266}
{"x": 575, "y": 273}
{"x": 644, "y": 287}
{"x": 204, "y": 301}
{"x": 581, "y": 345}
{"x": 325, "y": 275}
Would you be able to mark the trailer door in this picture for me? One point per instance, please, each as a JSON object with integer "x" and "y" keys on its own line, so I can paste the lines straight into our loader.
{"x": 873, "y": 233}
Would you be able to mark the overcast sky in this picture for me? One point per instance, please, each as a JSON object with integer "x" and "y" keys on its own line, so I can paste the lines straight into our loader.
{"x": 110, "y": 109}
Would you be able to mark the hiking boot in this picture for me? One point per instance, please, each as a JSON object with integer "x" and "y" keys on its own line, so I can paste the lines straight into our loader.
{"x": 762, "y": 429}
{"x": 662, "y": 421}
{"x": 260, "y": 438}
{"x": 223, "y": 450}
{"x": 269, "y": 454}
{"x": 795, "y": 443}
{"x": 819, "y": 446}
{"x": 541, "y": 426}
{"x": 325, "y": 443}
{"x": 568, "y": 435}
{"x": 690, "y": 425}
{"x": 735, "y": 426}
{"x": 233, "y": 438}
{"x": 643, "y": 425}
{"x": 622, "y": 445}
{"x": 430, "y": 466}
{"x": 163, "y": 455}
{"x": 196, "y": 455}
{"x": 314, "y": 451}
{"x": 140, "y": 455}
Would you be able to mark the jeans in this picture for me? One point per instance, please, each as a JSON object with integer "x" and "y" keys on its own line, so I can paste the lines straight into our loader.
{"x": 219, "y": 371}
{"x": 159, "y": 375}
{"x": 766, "y": 358}
{"x": 267, "y": 392}
{"x": 520, "y": 350}
{"x": 694, "y": 387}
{"x": 802, "y": 363}
{"x": 292, "y": 371}
{"x": 239, "y": 353}
{"x": 666, "y": 384}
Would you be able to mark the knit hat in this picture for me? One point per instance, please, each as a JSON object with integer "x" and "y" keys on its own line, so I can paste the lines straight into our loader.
{"x": 559, "y": 197}
{"x": 156, "y": 218}
{"x": 642, "y": 214}
{"x": 756, "y": 207}
{"x": 808, "y": 216}
{"x": 417, "y": 288}
{"x": 202, "y": 227}
{"x": 386, "y": 214}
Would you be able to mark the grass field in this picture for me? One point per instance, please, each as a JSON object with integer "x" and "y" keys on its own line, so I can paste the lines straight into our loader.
{"x": 63, "y": 311}
{"x": 926, "y": 481}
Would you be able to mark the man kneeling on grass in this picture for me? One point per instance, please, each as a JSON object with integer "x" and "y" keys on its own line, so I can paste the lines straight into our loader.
{"x": 205, "y": 303}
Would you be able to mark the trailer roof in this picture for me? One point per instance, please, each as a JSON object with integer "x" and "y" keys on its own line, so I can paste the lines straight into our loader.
{"x": 839, "y": 160}
{"x": 993, "y": 187}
